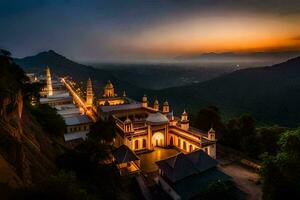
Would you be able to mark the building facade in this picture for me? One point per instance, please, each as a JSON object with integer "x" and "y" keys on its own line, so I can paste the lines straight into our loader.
{"x": 143, "y": 128}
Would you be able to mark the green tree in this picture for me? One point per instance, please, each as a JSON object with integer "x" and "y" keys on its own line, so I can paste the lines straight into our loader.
{"x": 207, "y": 118}
{"x": 281, "y": 173}
{"x": 47, "y": 116}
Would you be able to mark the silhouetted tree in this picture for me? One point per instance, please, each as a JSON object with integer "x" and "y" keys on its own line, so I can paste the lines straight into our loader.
{"x": 207, "y": 118}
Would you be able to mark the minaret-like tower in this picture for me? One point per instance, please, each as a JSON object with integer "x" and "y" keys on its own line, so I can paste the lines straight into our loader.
{"x": 49, "y": 81}
{"x": 156, "y": 105}
{"x": 184, "y": 122}
{"x": 145, "y": 101}
{"x": 128, "y": 126}
{"x": 212, "y": 134}
{"x": 166, "y": 107}
{"x": 89, "y": 93}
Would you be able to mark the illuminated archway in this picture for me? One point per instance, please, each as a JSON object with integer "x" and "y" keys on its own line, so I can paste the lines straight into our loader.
{"x": 158, "y": 139}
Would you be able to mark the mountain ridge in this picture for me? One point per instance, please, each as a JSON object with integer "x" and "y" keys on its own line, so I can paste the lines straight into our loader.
{"x": 269, "y": 93}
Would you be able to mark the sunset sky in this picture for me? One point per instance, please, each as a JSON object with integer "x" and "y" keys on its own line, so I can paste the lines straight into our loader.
{"x": 136, "y": 29}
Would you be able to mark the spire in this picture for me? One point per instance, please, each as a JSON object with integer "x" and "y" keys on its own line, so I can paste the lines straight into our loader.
{"x": 89, "y": 93}
{"x": 124, "y": 93}
{"x": 49, "y": 81}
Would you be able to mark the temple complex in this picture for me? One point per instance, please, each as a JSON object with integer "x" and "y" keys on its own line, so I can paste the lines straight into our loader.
{"x": 143, "y": 127}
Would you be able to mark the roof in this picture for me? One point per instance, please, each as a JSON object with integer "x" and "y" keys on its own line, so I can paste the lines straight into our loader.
{"x": 196, "y": 184}
{"x": 65, "y": 106}
{"x": 177, "y": 167}
{"x": 123, "y": 155}
{"x": 56, "y": 97}
{"x": 75, "y": 135}
{"x": 67, "y": 110}
{"x": 78, "y": 119}
{"x": 109, "y": 85}
{"x": 201, "y": 160}
{"x": 157, "y": 119}
{"x": 121, "y": 107}
{"x": 182, "y": 165}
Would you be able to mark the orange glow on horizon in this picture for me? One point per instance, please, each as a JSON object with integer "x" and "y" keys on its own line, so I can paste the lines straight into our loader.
{"x": 217, "y": 34}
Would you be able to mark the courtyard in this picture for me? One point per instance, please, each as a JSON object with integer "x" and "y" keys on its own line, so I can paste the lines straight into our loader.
{"x": 148, "y": 159}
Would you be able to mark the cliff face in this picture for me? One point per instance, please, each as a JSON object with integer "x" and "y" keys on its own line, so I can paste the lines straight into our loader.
{"x": 27, "y": 153}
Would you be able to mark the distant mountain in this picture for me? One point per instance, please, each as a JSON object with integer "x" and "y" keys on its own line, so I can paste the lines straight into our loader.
{"x": 271, "y": 94}
{"x": 268, "y": 57}
{"x": 61, "y": 65}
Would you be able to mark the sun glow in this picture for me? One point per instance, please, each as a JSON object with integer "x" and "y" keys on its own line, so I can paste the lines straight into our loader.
{"x": 210, "y": 33}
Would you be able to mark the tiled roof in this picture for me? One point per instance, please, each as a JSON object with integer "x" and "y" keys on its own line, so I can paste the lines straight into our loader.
{"x": 183, "y": 165}
{"x": 194, "y": 185}
{"x": 177, "y": 167}
{"x": 123, "y": 155}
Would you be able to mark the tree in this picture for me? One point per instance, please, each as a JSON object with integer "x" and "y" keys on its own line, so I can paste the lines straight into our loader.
{"x": 103, "y": 131}
{"x": 63, "y": 185}
{"x": 281, "y": 173}
{"x": 220, "y": 190}
{"x": 47, "y": 116}
{"x": 207, "y": 118}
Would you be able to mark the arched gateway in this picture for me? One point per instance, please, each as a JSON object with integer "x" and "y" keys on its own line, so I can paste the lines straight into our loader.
{"x": 157, "y": 125}
{"x": 158, "y": 139}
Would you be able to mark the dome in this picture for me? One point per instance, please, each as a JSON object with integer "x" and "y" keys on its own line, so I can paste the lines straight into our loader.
{"x": 156, "y": 101}
{"x": 156, "y": 119}
{"x": 109, "y": 85}
{"x": 184, "y": 113}
{"x": 166, "y": 103}
{"x": 127, "y": 121}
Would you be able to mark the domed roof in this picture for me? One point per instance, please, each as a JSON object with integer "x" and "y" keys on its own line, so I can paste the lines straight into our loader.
{"x": 156, "y": 101}
{"x": 109, "y": 85}
{"x": 157, "y": 119}
{"x": 184, "y": 113}
{"x": 166, "y": 103}
{"x": 127, "y": 121}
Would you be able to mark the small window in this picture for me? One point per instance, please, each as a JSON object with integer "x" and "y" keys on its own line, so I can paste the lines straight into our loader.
{"x": 144, "y": 143}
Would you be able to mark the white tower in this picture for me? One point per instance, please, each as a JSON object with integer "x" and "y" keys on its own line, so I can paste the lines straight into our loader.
{"x": 89, "y": 93}
{"x": 49, "y": 82}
